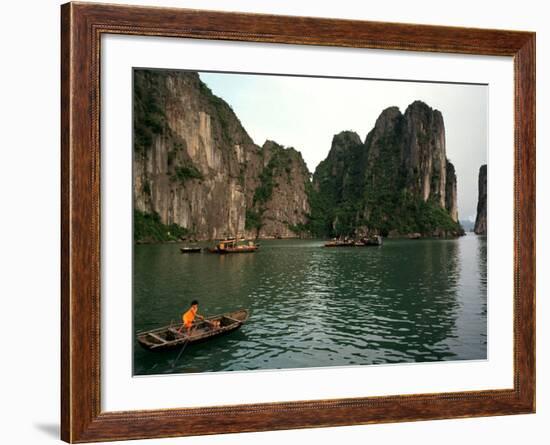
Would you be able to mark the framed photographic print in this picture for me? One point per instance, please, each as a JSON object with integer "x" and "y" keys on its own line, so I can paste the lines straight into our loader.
{"x": 302, "y": 222}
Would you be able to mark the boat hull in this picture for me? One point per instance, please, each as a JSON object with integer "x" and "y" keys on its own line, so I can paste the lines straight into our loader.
{"x": 190, "y": 249}
{"x": 367, "y": 242}
{"x": 235, "y": 250}
{"x": 333, "y": 245}
{"x": 167, "y": 338}
{"x": 233, "y": 245}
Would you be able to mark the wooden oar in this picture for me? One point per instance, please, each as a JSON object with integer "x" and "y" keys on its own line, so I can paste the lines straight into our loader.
{"x": 187, "y": 341}
{"x": 181, "y": 352}
{"x": 182, "y": 348}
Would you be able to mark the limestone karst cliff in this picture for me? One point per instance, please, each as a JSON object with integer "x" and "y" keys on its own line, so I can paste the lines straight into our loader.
{"x": 280, "y": 203}
{"x": 397, "y": 181}
{"x": 196, "y": 168}
{"x": 480, "y": 226}
{"x": 198, "y": 174}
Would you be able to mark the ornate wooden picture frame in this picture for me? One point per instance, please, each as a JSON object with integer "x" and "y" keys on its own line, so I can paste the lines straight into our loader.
{"x": 82, "y": 26}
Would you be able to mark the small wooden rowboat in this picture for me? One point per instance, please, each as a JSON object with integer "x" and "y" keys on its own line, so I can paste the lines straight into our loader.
{"x": 167, "y": 337}
{"x": 190, "y": 249}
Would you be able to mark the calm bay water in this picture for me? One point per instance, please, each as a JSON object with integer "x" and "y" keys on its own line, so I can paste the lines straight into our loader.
{"x": 407, "y": 301}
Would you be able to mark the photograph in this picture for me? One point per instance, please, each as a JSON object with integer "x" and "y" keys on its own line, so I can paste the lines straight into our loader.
{"x": 284, "y": 221}
{"x": 273, "y": 220}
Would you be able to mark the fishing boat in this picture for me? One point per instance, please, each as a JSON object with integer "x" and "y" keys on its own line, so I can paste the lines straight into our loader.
{"x": 340, "y": 243}
{"x": 167, "y": 337}
{"x": 232, "y": 245}
{"x": 190, "y": 249}
{"x": 372, "y": 241}
{"x": 363, "y": 242}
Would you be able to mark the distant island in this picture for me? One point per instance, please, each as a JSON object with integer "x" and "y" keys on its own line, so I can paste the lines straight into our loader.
{"x": 481, "y": 219}
{"x": 199, "y": 175}
{"x": 467, "y": 225}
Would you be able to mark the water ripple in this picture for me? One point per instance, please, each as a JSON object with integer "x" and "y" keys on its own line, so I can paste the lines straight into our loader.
{"x": 405, "y": 302}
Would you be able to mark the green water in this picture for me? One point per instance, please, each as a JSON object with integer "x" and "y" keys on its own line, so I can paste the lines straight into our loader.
{"x": 407, "y": 301}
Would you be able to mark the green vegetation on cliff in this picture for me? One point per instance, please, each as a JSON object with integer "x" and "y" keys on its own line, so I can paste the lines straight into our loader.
{"x": 319, "y": 221}
{"x": 279, "y": 164}
{"x": 338, "y": 193}
{"x": 149, "y": 117}
{"x": 253, "y": 220}
{"x": 224, "y": 112}
{"x": 183, "y": 173}
{"x": 280, "y": 161}
{"x": 148, "y": 228}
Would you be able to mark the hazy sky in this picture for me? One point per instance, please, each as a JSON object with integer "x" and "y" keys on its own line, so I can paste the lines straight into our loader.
{"x": 305, "y": 113}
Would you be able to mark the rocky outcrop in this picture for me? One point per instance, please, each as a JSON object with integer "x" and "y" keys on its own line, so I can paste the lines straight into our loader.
{"x": 198, "y": 173}
{"x": 397, "y": 181}
{"x": 451, "y": 196}
{"x": 480, "y": 226}
{"x": 279, "y": 206}
{"x": 423, "y": 154}
{"x": 196, "y": 167}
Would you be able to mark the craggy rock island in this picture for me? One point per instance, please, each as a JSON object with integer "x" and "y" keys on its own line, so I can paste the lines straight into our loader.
{"x": 481, "y": 219}
{"x": 397, "y": 181}
{"x": 197, "y": 173}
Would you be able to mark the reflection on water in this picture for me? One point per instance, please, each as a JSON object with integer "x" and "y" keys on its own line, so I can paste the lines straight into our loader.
{"x": 408, "y": 301}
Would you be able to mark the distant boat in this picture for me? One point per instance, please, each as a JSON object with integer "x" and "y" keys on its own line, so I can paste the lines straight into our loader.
{"x": 372, "y": 241}
{"x": 190, "y": 249}
{"x": 167, "y": 337}
{"x": 340, "y": 243}
{"x": 363, "y": 242}
{"x": 233, "y": 245}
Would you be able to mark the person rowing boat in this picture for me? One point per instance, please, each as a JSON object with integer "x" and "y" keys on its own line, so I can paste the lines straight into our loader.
{"x": 189, "y": 317}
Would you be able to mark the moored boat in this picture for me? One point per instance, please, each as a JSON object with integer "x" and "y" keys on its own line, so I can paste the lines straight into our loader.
{"x": 167, "y": 337}
{"x": 190, "y": 249}
{"x": 233, "y": 245}
{"x": 340, "y": 243}
{"x": 372, "y": 241}
{"x": 363, "y": 242}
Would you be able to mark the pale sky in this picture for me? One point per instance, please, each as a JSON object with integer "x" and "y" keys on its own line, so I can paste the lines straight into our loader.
{"x": 305, "y": 113}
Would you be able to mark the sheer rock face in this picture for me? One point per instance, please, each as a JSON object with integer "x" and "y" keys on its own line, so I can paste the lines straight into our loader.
{"x": 196, "y": 166}
{"x": 424, "y": 155}
{"x": 403, "y": 155}
{"x": 481, "y": 219}
{"x": 419, "y": 136}
{"x": 451, "y": 197}
{"x": 285, "y": 210}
